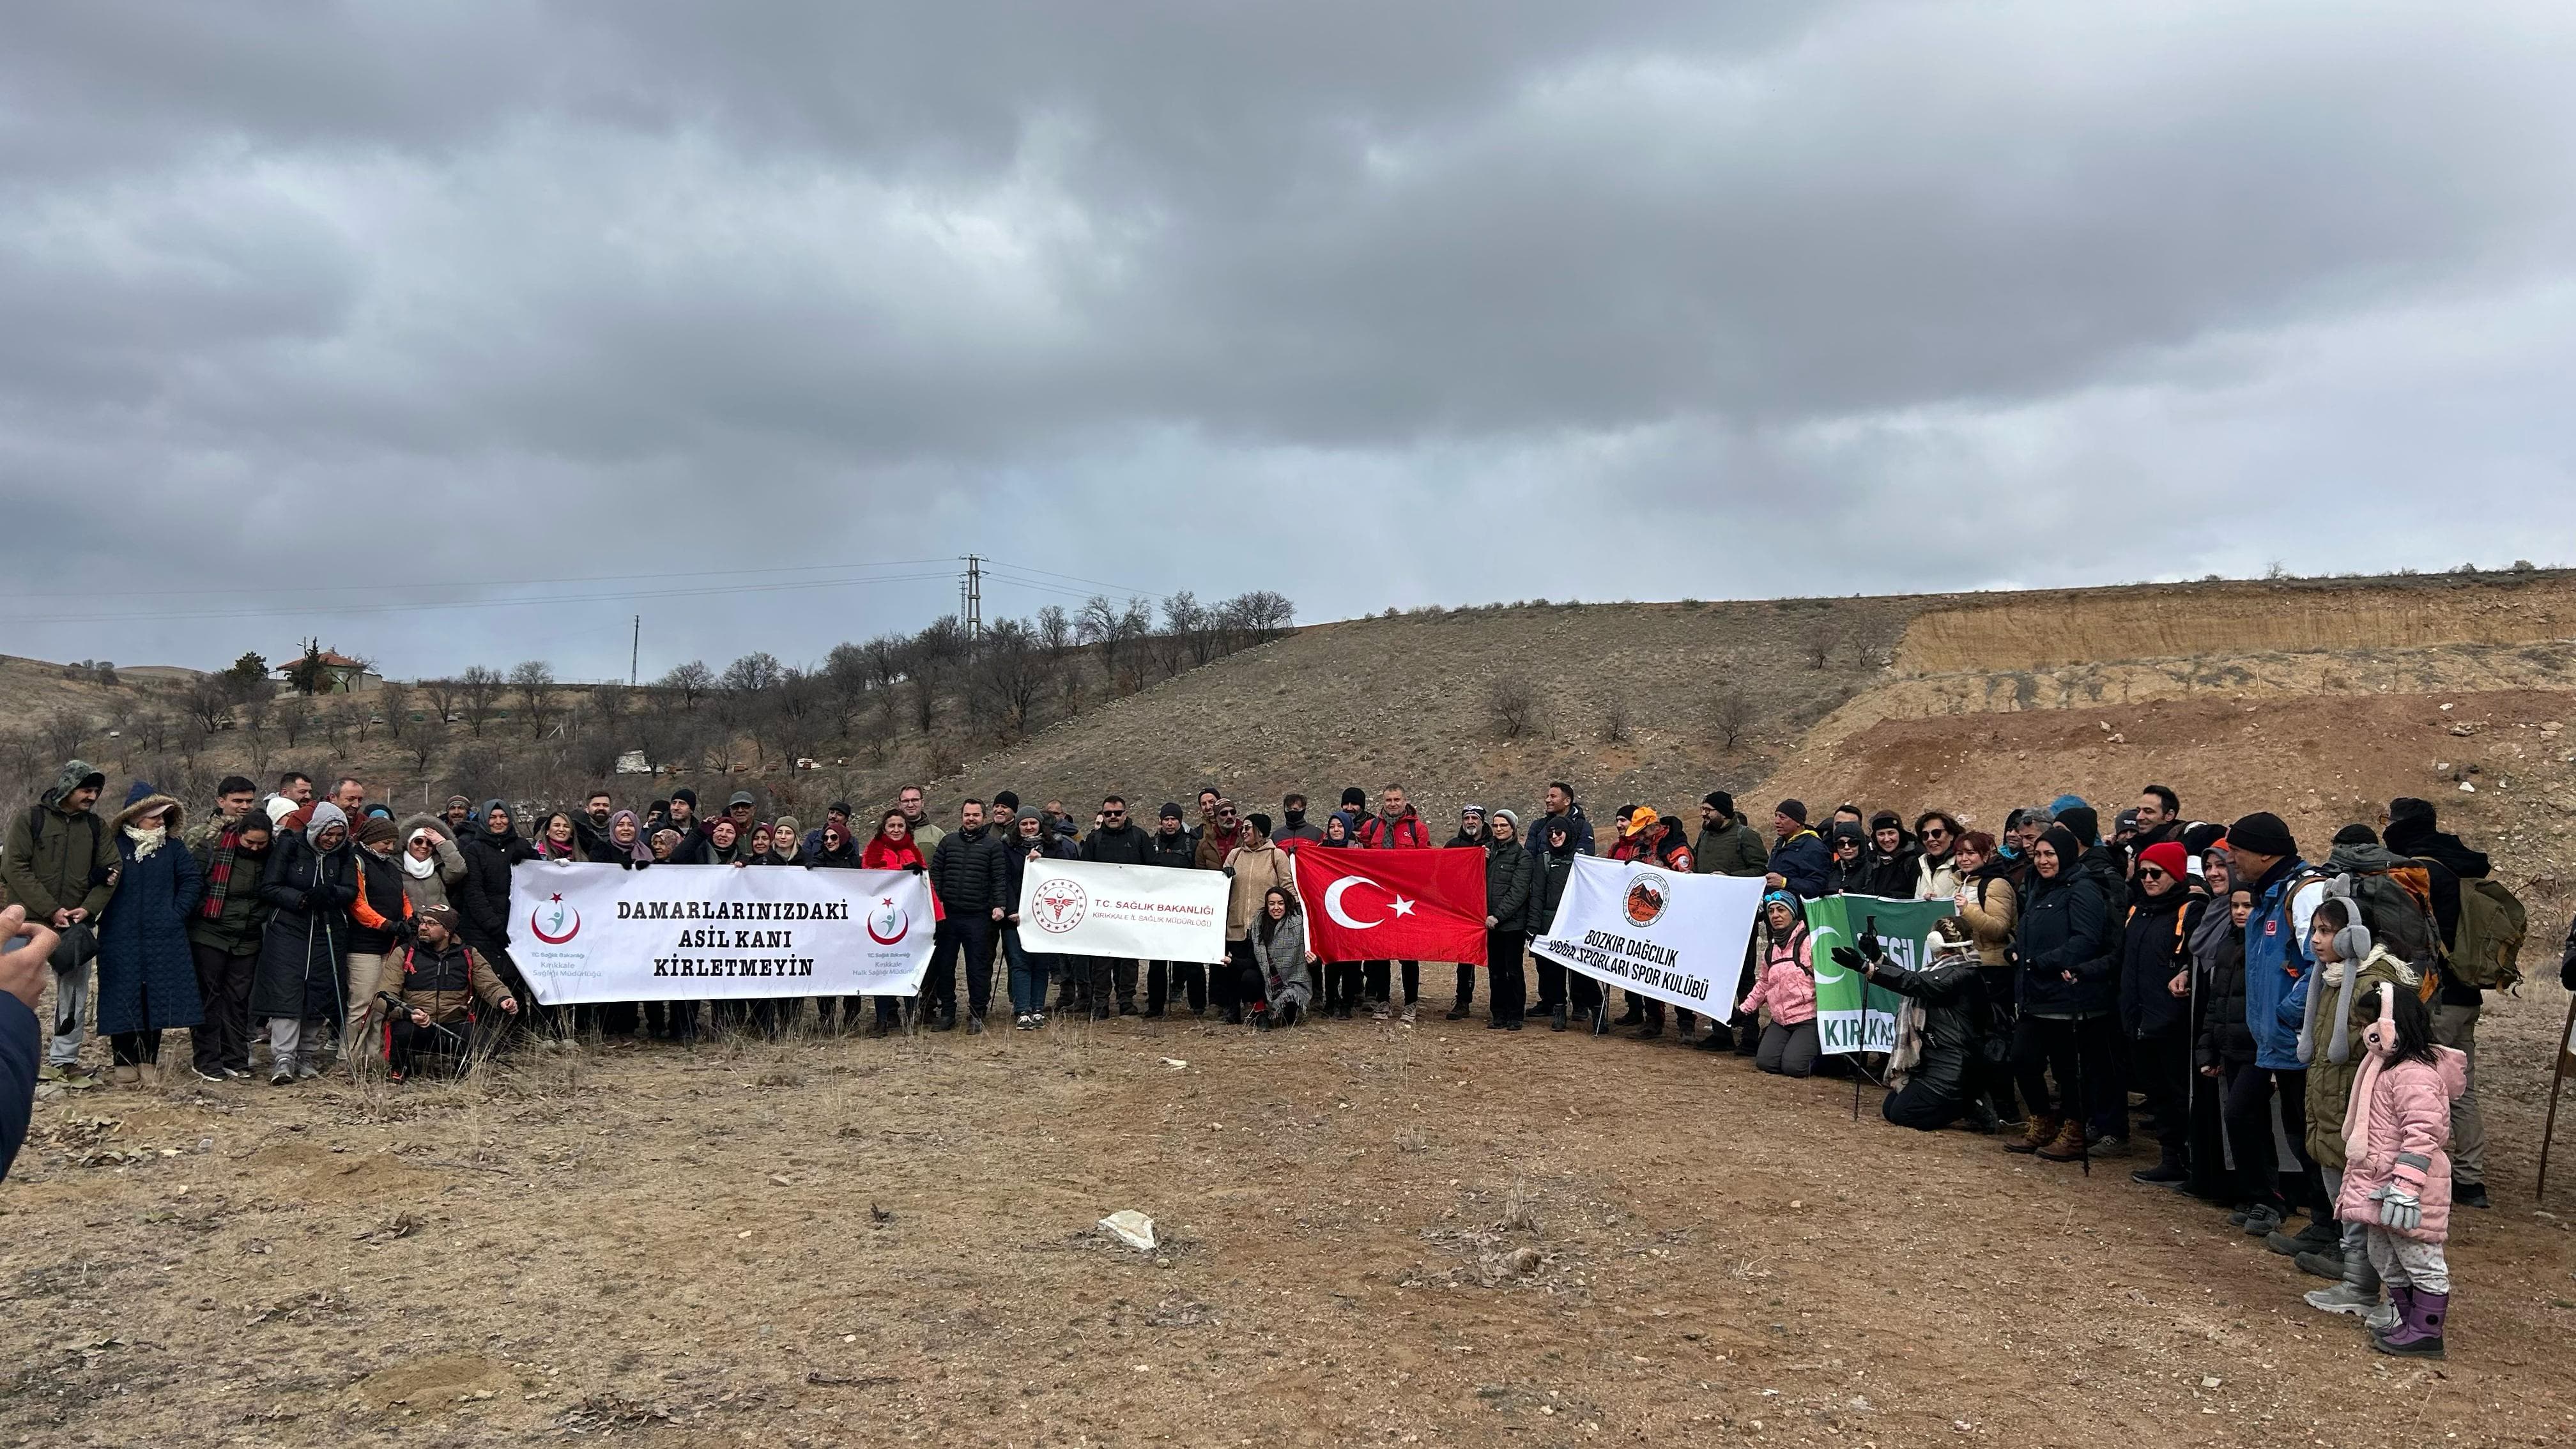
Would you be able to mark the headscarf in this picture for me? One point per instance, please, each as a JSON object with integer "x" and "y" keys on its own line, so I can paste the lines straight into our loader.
{"x": 483, "y": 818}
{"x": 642, "y": 850}
{"x": 324, "y": 816}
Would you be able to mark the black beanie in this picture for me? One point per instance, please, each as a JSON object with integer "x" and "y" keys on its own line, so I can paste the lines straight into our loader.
{"x": 1355, "y": 796}
{"x": 687, "y": 794}
{"x": 2084, "y": 824}
{"x": 1007, "y": 797}
{"x": 1719, "y": 801}
{"x": 2199, "y": 838}
{"x": 2407, "y": 807}
{"x": 1886, "y": 820}
{"x": 1172, "y": 811}
{"x": 1260, "y": 823}
{"x": 2263, "y": 833}
{"x": 2356, "y": 835}
{"x": 1794, "y": 809}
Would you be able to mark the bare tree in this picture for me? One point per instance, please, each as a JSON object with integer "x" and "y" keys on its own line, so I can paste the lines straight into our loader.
{"x": 444, "y": 695}
{"x": 1054, "y": 630}
{"x": 422, "y": 746}
{"x": 1614, "y": 723}
{"x": 394, "y": 698}
{"x": 689, "y": 683}
{"x": 1514, "y": 707}
{"x": 1730, "y": 717}
{"x": 190, "y": 739}
{"x": 534, "y": 680}
{"x": 1008, "y": 679}
{"x": 478, "y": 696}
{"x": 792, "y": 713}
{"x": 208, "y": 699}
{"x": 63, "y": 731}
{"x": 294, "y": 716}
{"x": 753, "y": 673}
{"x": 1817, "y": 641}
{"x": 932, "y": 661}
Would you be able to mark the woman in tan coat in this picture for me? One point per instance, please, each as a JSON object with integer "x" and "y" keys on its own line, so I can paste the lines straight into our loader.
{"x": 1991, "y": 907}
{"x": 1255, "y": 865}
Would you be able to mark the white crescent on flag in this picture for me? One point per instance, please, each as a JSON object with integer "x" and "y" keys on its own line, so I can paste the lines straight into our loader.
{"x": 1333, "y": 902}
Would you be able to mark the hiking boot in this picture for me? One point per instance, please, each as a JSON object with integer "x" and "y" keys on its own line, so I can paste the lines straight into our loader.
{"x": 1556, "y": 1020}
{"x": 1512, "y": 1025}
{"x": 1458, "y": 1012}
{"x": 2068, "y": 1144}
{"x": 2344, "y": 1297}
{"x": 1381, "y": 1011}
{"x": 2168, "y": 1171}
{"x": 974, "y": 1025}
{"x": 1103, "y": 1013}
{"x": 1982, "y": 1118}
{"x": 2261, "y": 1220}
{"x": 2324, "y": 1265}
{"x": 1408, "y": 1013}
{"x": 945, "y": 1020}
{"x": 126, "y": 1074}
{"x": 1126, "y": 1008}
{"x": 1495, "y": 1023}
{"x": 2042, "y": 1131}
{"x": 2418, "y": 1333}
{"x": 1713, "y": 1043}
{"x": 284, "y": 1076}
{"x": 1153, "y": 1013}
{"x": 2382, "y": 1318}
{"x": 2321, "y": 1235}
{"x": 2470, "y": 1194}
{"x": 1636, "y": 1014}
{"x": 1651, "y": 1030}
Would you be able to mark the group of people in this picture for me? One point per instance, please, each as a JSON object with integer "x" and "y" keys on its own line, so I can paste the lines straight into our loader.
{"x": 2212, "y": 972}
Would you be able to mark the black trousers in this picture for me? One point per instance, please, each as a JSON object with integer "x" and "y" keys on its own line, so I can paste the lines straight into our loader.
{"x": 134, "y": 1048}
{"x": 1551, "y": 984}
{"x": 2259, "y": 1172}
{"x": 1583, "y": 994}
{"x": 1225, "y": 983}
{"x": 1381, "y": 980}
{"x": 964, "y": 941}
{"x": 2072, "y": 1051}
{"x": 2161, "y": 1067}
{"x": 1508, "y": 993}
{"x": 223, "y": 990}
{"x": 1467, "y": 983}
{"x": 1922, "y": 1107}
{"x": 1164, "y": 979}
{"x": 1111, "y": 979}
{"x": 453, "y": 1043}
{"x": 1341, "y": 983}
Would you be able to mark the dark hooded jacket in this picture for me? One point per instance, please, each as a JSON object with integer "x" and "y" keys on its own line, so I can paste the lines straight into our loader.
{"x": 55, "y": 860}
{"x": 147, "y": 979}
{"x": 1804, "y": 864}
{"x": 1507, "y": 885}
{"x": 2451, "y": 861}
{"x": 1890, "y": 874}
{"x": 2224, "y": 1042}
{"x": 1176, "y": 851}
{"x": 2155, "y": 946}
{"x": 2065, "y": 926}
{"x": 967, "y": 868}
{"x": 305, "y": 949}
{"x": 239, "y": 915}
{"x": 483, "y": 900}
{"x": 1122, "y": 844}
{"x": 1549, "y": 873}
{"x": 1955, "y": 1019}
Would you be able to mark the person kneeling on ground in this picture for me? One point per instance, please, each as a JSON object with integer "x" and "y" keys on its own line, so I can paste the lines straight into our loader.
{"x": 436, "y": 978}
{"x": 1945, "y": 1081}
{"x": 1787, "y": 987}
{"x": 1280, "y": 980}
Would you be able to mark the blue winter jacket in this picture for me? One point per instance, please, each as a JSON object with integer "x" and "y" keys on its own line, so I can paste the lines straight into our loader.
{"x": 1805, "y": 864}
{"x": 2275, "y": 958}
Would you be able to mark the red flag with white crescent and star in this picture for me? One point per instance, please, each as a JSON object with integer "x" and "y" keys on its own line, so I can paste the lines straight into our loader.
{"x": 1394, "y": 905}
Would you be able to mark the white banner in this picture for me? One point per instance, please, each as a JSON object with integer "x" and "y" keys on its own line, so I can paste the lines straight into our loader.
{"x": 1675, "y": 938}
{"x": 1141, "y": 912}
{"x": 713, "y": 932}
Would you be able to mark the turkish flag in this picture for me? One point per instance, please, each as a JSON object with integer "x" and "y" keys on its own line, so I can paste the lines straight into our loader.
{"x": 1394, "y": 905}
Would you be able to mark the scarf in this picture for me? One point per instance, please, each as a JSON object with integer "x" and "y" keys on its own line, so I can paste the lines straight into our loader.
{"x": 422, "y": 867}
{"x": 641, "y": 852}
{"x": 147, "y": 841}
{"x": 219, "y": 872}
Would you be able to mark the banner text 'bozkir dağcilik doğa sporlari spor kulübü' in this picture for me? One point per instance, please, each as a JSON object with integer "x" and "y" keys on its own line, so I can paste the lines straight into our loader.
{"x": 585, "y": 933}
{"x": 1674, "y": 938}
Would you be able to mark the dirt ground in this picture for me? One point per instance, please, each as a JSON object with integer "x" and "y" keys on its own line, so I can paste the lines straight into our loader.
{"x": 1371, "y": 1234}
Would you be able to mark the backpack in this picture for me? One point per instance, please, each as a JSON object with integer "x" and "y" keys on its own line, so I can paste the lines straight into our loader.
{"x": 2396, "y": 907}
{"x": 2488, "y": 948}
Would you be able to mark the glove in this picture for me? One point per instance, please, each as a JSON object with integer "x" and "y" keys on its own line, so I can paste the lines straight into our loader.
{"x": 1868, "y": 943}
{"x": 2399, "y": 1209}
{"x": 1850, "y": 960}
{"x": 916, "y": 868}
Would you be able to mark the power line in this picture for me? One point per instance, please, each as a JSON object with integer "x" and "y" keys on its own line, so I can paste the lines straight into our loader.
{"x": 1077, "y": 578}
{"x": 227, "y": 591}
{"x": 437, "y": 605}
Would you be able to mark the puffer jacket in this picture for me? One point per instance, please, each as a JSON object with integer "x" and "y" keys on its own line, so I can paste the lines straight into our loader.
{"x": 2337, "y": 1058}
{"x": 380, "y": 913}
{"x": 1953, "y": 992}
{"x": 1993, "y": 912}
{"x": 1120, "y": 845}
{"x": 305, "y": 948}
{"x": 1803, "y": 863}
{"x": 1257, "y": 865}
{"x": 2155, "y": 947}
{"x": 2224, "y": 1042}
{"x": 967, "y": 868}
{"x": 1787, "y": 985}
{"x": 1936, "y": 877}
{"x": 2066, "y": 927}
{"x": 1175, "y": 851}
{"x": 447, "y": 870}
{"x": 240, "y": 915}
{"x": 482, "y": 900}
{"x": 1507, "y": 884}
{"x": 1551, "y": 870}
{"x": 2400, "y": 1125}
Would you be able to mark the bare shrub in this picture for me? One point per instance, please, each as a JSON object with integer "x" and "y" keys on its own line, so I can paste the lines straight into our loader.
{"x": 1514, "y": 707}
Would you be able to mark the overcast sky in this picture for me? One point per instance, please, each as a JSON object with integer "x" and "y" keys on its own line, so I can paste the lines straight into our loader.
{"x": 1374, "y": 304}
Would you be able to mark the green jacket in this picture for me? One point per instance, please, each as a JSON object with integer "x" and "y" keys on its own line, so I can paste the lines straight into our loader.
{"x": 237, "y": 930}
{"x": 2330, "y": 1082}
{"x": 1734, "y": 848}
{"x": 55, "y": 860}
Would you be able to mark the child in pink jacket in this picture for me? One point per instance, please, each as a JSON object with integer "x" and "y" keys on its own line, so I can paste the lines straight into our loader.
{"x": 2396, "y": 1177}
{"x": 1787, "y": 986}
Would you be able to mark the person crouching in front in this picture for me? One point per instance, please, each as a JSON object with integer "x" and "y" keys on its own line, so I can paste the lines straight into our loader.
{"x": 437, "y": 978}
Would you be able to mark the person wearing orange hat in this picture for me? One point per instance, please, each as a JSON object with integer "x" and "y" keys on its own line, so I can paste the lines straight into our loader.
{"x": 1653, "y": 839}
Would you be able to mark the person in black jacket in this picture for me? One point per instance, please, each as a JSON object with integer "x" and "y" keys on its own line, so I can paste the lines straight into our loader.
{"x": 2411, "y": 832}
{"x": 1890, "y": 864}
{"x": 1472, "y": 835}
{"x": 2155, "y": 1001}
{"x": 491, "y": 849}
{"x": 2226, "y": 1051}
{"x": 1944, "y": 1084}
{"x": 1172, "y": 848}
{"x": 967, "y": 869}
{"x": 1507, "y": 898}
{"x": 1109, "y": 982}
{"x": 2067, "y": 1024}
{"x": 1032, "y": 840}
{"x": 25, "y": 949}
{"x": 297, "y": 984}
{"x": 1570, "y": 991}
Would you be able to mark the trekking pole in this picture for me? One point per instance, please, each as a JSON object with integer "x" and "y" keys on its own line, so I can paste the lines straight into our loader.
{"x": 2083, "y": 1108}
{"x": 2557, "y": 1081}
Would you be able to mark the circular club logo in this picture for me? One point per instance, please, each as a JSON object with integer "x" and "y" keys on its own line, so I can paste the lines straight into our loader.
{"x": 889, "y": 923}
{"x": 1647, "y": 897}
{"x": 554, "y": 922}
{"x": 1061, "y": 905}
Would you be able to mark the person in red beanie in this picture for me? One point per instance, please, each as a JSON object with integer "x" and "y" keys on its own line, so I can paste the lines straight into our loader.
{"x": 2155, "y": 1000}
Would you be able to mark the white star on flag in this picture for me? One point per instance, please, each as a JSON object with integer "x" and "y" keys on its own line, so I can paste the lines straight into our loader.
{"x": 1403, "y": 907}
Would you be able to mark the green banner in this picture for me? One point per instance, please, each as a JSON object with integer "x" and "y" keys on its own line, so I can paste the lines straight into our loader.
{"x": 1850, "y": 1015}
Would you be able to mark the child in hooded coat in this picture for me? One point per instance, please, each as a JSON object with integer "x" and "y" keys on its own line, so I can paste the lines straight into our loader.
{"x": 2396, "y": 1176}
{"x": 1787, "y": 988}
